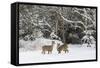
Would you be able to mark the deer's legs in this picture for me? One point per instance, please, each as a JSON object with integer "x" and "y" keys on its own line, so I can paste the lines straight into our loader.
{"x": 65, "y": 51}
{"x": 48, "y": 52}
{"x": 51, "y": 52}
{"x": 43, "y": 52}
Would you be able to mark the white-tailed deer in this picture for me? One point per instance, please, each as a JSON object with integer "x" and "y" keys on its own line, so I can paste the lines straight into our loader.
{"x": 63, "y": 47}
{"x": 48, "y": 48}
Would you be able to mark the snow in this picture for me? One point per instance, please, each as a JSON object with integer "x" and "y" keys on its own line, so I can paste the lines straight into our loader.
{"x": 53, "y": 35}
{"x": 38, "y": 43}
{"x": 48, "y": 24}
{"x": 44, "y": 41}
{"x": 86, "y": 37}
{"x": 76, "y": 52}
{"x": 89, "y": 31}
{"x": 73, "y": 22}
{"x": 85, "y": 15}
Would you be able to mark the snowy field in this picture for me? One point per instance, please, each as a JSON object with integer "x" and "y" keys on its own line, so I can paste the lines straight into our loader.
{"x": 76, "y": 52}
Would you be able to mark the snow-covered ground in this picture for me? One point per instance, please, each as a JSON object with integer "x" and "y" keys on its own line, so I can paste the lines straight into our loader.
{"x": 76, "y": 52}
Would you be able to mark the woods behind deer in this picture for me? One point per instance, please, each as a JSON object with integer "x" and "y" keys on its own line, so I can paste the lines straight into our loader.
{"x": 63, "y": 47}
{"x": 48, "y": 48}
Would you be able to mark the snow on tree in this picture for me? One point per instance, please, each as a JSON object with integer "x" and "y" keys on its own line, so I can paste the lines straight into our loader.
{"x": 54, "y": 36}
{"x": 37, "y": 21}
{"x": 85, "y": 23}
{"x": 88, "y": 39}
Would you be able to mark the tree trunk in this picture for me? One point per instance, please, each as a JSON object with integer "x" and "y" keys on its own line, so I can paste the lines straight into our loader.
{"x": 56, "y": 28}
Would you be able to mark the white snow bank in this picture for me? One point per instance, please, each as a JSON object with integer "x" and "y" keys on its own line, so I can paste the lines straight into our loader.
{"x": 39, "y": 42}
{"x": 36, "y": 44}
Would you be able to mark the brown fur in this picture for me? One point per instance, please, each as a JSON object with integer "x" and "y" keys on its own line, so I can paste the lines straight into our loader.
{"x": 63, "y": 47}
{"x": 47, "y": 48}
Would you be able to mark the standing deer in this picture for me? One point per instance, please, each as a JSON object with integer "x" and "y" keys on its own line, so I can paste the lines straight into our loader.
{"x": 63, "y": 47}
{"x": 48, "y": 48}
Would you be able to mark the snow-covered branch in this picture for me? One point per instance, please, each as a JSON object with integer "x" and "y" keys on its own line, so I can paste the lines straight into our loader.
{"x": 84, "y": 15}
{"x": 72, "y": 22}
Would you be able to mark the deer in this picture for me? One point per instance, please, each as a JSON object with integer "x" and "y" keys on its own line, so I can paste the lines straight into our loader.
{"x": 48, "y": 48}
{"x": 63, "y": 47}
